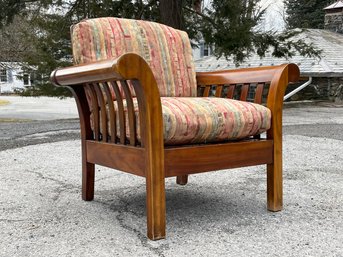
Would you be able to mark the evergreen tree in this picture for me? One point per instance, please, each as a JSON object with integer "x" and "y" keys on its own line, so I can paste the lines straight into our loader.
{"x": 305, "y": 13}
{"x": 228, "y": 25}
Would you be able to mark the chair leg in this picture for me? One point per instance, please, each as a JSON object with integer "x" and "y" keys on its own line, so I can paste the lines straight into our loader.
{"x": 156, "y": 207}
{"x": 87, "y": 180}
{"x": 182, "y": 180}
{"x": 274, "y": 184}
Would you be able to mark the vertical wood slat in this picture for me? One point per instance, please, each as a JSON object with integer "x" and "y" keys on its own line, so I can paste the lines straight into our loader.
{"x": 231, "y": 91}
{"x": 219, "y": 90}
{"x": 112, "y": 115}
{"x": 130, "y": 113}
{"x": 259, "y": 93}
{"x": 102, "y": 104}
{"x": 141, "y": 107}
{"x": 95, "y": 112}
{"x": 121, "y": 114}
{"x": 244, "y": 92}
{"x": 207, "y": 91}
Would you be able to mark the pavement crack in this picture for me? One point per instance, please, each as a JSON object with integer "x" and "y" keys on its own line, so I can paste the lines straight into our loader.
{"x": 48, "y": 133}
{"x": 12, "y": 220}
{"x": 109, "y": 177}
{"x": 121, "y": 217}
{"x": 41, "y": 175}
{"x": 63, "y": 186}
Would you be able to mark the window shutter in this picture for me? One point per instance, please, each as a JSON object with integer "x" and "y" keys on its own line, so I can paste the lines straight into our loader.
{"x": 10, "y": 76}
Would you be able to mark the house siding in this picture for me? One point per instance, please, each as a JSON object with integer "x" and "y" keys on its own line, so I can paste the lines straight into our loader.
{"x": 14, "y": 79}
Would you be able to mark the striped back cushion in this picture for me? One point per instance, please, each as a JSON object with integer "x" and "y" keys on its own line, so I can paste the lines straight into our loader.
{"x": 166, "y": 50}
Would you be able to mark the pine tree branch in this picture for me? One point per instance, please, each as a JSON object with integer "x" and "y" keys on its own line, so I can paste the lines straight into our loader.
{"x": 200, "y": 14}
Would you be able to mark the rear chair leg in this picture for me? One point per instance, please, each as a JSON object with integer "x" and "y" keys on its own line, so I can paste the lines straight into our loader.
{"x": 182, "y": 180}
{"x": 274, "y": 184}
{"x": 87, "y": 181}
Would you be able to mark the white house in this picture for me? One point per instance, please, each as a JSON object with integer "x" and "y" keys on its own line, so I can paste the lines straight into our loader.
{"x": 203, "y": 50}
{"x": 12, "y": 78}
{"x": 325, "y": 74}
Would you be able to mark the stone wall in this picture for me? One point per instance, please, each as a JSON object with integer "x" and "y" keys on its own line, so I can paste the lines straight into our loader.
{"x": 334, "y": 21}
{"x": 329, "y": 89}
{"x": 336, "y": 89}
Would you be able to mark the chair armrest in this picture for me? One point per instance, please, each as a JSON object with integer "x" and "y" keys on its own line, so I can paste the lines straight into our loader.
{"x": 278, "y": 77}
{"x": 246, "y": 75}
{"x": 96, "y": 76}
{"x": 129, "y": 66}
{"x": 94, "y": 72}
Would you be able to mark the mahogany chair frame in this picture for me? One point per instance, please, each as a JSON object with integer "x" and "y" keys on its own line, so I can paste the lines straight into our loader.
{"x": 150, "y": 158}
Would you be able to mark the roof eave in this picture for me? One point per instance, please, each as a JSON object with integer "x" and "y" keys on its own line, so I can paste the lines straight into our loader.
{"x": 336, "y": 5}
{"x": 322, "y": 74}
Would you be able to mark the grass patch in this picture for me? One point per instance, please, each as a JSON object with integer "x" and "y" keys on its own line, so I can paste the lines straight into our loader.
{"x": 2, "y": 120}
{"x": 4, "y": 102}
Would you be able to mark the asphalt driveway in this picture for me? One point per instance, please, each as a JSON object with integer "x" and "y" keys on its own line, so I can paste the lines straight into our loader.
{"x": 221, "y": 213}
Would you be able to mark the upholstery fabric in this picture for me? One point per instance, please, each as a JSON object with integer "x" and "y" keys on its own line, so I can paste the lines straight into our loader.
{"x": 207, "y": 119}
{"x": 211, "y": 119}
{"x": 166, "y": 50}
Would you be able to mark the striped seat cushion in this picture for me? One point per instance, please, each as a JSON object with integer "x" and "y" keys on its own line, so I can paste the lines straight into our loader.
{"x": 188, "y": 120}
{"x": 167, "y": 51}
{"x": 211, "y": 119}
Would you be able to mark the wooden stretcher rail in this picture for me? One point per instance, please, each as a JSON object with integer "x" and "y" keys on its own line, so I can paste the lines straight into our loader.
{"x": 179, "y": 160}
{"x": 122, "y": 157}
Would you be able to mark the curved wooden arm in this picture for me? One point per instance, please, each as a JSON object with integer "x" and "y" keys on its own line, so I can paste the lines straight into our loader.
{"x": 134, "y": 67}
{"x": 278, "y": 77}
{"x": 246, "y": 75}
{"x": 129, "y": 66}
{"x": 99, "y": 71}
{"x": 285, "y": 74}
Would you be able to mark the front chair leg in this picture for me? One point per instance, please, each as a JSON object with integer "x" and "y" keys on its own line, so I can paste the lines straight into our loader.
{"x": 88, "y": 174}
{"x": 182, "y": 180}
{"x": 156, "y": 207}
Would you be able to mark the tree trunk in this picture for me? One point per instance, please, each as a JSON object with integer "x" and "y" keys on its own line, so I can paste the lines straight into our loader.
{"x": 171, "y": 13}
{"x": 197, "y": 5}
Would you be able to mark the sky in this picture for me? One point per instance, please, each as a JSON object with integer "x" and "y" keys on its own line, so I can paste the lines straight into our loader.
{"x": 274, "y": 19}
{"x": 274, "y": 14}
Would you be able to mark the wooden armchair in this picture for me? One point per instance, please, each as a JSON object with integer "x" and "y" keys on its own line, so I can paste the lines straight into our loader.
{"x": 144, "y": 110}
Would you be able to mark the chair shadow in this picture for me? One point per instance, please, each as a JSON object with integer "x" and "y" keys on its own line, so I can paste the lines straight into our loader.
{"x": 190, "y": 205}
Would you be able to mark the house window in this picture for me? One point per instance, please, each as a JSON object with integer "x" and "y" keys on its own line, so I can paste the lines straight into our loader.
{"x": 26, "y": 79}
{"x": 3, "y": 75}
{"x": 204, "y": 49}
